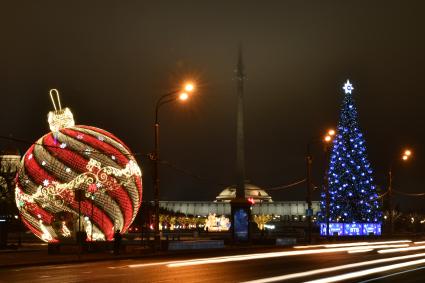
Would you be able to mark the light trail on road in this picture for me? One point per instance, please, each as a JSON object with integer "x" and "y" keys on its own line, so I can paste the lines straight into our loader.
{"x": 401, "y": 250}
{"x": 360, "y": 251}
{"x": 146, "y": 264}
{"x": 392, "y": 274}
{"x": 353, "y": 244}
{"x": 366, "y": 272}
{"x": 258, "y": 256}
{"x": 335, "y": 268}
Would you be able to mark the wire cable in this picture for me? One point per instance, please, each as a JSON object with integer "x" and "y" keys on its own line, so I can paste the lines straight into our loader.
{"x": 409, "y": 194}
{"x": 284, "y": 187}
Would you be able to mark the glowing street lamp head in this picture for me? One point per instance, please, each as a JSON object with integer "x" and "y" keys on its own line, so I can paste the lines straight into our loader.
{"x": 406, "y": 155}
{"x": 328, "y": 138}
{"x": 183, "y": 96}
{"x": 189, "y": 87}
{"x": 331, "y": 132}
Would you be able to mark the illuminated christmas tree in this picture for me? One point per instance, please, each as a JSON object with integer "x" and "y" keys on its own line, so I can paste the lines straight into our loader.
{"x": 354, "y": 208}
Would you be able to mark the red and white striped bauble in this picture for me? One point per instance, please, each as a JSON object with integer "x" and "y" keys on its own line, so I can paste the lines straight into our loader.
{"x": 78, "y": 174}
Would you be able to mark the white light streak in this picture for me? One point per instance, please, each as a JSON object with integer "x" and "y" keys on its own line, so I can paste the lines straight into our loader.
{"x": 272, "y": 255}
{"x": 366, "y": 272}
{"x": 419, "y": 243}
{"x": 148, "y": 264}
{"x": 401, "y": 250}
{"x": 335, "y": 268}
{"x": 366, "y": 244}
{"x": 393, "y": 274}
{"x": 353, "y": 244}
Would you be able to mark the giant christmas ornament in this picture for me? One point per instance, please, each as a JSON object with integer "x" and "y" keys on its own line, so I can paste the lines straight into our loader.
{"x": 77, "y": 178}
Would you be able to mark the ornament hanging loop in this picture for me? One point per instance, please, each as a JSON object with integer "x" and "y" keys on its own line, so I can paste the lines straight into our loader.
{"x": 52, "y": 92}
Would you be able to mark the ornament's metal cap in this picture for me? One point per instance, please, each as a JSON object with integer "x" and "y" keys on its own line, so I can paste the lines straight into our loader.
{"x": 60, "y": 118}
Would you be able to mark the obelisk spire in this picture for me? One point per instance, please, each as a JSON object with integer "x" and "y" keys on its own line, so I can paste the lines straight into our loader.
{"x": 240, "y": 136}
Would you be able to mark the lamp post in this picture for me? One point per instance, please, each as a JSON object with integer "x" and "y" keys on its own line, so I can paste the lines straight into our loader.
{"x": 308, "y": 181}
{"x": 407, "y": 154}
{"x": 328, "y": 138}
{"x": 309, "y": 162}
{"x": 181, "y": 94}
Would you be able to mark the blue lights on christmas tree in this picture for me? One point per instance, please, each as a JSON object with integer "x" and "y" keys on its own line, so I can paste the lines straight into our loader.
{"x": 354, "y": 208}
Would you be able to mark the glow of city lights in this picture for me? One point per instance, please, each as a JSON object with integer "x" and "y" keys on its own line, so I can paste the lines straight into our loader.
{"x": 331, "y": 269}
{"x": 366, "y": 272}
{"x": 331, "y": 132}
{"x": 407, "y": 152}
{"x": 405, "y": 157}
{"x": 328, "y": 138}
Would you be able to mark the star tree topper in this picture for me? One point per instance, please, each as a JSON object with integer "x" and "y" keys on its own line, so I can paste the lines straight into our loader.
{"x": 348, "y": 87}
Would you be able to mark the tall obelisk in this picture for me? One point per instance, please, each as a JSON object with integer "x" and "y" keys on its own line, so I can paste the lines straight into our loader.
{"x": 240, "y": 135}
{"x": 240, "y": 207}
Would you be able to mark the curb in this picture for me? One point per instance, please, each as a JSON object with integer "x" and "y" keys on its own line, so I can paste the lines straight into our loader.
{"x": 138, "y": 256}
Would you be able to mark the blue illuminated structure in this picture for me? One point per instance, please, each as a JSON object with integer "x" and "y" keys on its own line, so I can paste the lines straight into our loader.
{"x": 353, "y": 229}
{"x": 354, "y": 208}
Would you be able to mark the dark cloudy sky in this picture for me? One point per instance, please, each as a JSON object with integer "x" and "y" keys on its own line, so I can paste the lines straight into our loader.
{"x": 112, "y": 59}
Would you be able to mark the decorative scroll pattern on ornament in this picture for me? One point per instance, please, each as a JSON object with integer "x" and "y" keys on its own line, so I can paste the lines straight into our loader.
{"x": 96, "y": 181}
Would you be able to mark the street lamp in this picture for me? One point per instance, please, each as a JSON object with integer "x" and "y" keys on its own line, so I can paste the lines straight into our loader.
{"x": 406, "y": 155}
{"x": 182, "y": 95}
{"x": 327, "y": 139}
{"x": 189, "y": 87}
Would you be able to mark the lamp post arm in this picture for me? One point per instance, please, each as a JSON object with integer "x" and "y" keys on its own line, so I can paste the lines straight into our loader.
{"x": 161, "y": 102}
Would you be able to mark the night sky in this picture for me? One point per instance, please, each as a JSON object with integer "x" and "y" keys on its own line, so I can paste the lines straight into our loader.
{"x": 111, "y": 60}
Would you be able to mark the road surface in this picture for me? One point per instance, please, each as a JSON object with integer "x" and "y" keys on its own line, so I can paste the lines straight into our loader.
{"x": 368, "y": 262}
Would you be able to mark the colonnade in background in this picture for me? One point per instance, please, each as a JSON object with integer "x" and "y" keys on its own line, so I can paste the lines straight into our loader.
{"x": 287, "y": 210}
